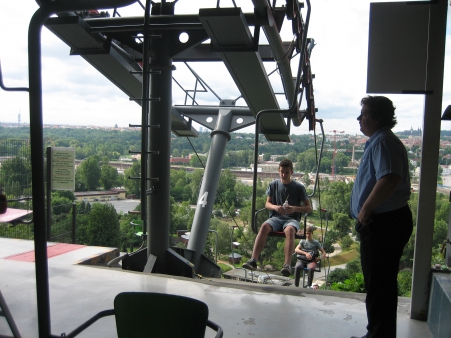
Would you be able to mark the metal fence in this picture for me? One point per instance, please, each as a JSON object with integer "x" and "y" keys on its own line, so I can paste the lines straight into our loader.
{"x": 63, "y": 227}
{"x": 15, "y": 181}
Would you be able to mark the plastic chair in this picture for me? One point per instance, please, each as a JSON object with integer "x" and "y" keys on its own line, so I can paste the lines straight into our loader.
{"x": 147, "y": 314}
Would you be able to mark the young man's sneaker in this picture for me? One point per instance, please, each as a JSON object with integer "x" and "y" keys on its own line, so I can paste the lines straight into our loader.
{"x": 286, "y": 270}
{"x": 251, "y": 264}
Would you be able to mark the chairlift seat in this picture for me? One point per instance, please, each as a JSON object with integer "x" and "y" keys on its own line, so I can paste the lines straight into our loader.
{"x": 298, "y": 235}
{"x": 137, "y": 225}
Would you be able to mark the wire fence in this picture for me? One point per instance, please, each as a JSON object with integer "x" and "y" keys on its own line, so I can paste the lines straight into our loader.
{"x": 15, "y": 182}
{"x": 63, "y": 229}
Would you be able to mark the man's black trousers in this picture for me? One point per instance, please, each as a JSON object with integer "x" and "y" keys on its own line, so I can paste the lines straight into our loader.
{"x": 381, "y": 245}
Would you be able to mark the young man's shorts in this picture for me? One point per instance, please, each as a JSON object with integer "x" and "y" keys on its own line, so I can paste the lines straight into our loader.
{"x": 280, "y": 223}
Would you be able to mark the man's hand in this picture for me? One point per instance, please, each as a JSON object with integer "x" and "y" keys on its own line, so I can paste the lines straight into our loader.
{"x": 281, "y": 210}
{"x": 364, "y": 217}
{"x": 289, "y": 209}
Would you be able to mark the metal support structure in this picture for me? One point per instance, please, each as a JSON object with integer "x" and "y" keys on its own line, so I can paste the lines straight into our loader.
{"x": 429, "y": 161}
{"x": 207, "y": 194}
{"x": 48, "y": 199}
{"x": 158, "y": 166}
{"x": 4, "y": 312}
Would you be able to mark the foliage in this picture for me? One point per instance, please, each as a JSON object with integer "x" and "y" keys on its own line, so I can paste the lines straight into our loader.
{"x": 346, "y": 242}
{"x": 336, "y": 198}
{"x": 64, "y": 193}
{"x": 354, "y": 266}
{"x": 101, "y": 227}
{"x": 61, "y": 205}
{"x": 133, "y": 186}
{"x": 405, "y": 283}
{"x": 89, "y": 174}
{"x": 181, "y": 216}
{"x": 354, "y": 283}
{"x": 109, "y": 177}
{"x": 342, "y": 224}
{"x": 15, "y": 174}
{"x": 224, "y": 236}
{"x": 339, "y": 275}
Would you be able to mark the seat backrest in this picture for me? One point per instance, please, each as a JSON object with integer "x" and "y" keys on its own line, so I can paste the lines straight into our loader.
{"x": 147, "y": 314}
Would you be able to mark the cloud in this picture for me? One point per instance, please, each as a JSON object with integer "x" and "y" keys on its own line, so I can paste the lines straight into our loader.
{"x": 75, "y": 93}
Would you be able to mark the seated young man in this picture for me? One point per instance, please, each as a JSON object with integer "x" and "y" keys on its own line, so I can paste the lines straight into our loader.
{"x": 284, "y": 204}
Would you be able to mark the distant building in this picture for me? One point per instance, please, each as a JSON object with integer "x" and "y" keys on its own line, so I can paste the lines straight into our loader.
{"x": 101, "y": 195}
{"x": 174, "y": 160}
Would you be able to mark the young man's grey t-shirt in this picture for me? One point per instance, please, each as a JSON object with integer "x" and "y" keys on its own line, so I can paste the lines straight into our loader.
{"x": 278, "y": 192}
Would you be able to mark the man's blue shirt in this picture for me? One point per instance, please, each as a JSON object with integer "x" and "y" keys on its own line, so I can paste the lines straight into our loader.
{"x": 384, "y": 154}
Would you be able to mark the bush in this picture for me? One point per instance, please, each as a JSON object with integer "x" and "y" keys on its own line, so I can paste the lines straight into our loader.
{"x": 346, "y": 242}
{"x": 338, "y": 275}
{"x": 405, "y": 283}
{"x": 354, "y": 283}
{"x": 354, "y": 266}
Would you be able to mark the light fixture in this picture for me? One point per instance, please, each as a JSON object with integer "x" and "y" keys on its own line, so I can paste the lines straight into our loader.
{"x": 447, "y": 114}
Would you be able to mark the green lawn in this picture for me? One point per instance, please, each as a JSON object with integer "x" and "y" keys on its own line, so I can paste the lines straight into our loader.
{"x": 345, "y": 256}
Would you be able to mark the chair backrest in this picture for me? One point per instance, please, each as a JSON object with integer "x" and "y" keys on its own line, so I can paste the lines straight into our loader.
{"x": 147, "y": 314}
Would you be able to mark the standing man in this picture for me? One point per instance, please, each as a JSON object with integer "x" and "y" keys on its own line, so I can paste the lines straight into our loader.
{"x": 284, "y": 205}
{"x": 379, "y": 205}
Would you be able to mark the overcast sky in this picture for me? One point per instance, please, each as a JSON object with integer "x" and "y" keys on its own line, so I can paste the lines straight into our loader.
{"x": 77, "y": 94}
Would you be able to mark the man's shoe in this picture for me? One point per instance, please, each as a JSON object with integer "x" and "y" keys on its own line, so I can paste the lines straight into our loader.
{"x": 286, "y": 270}
{"x": 251, "y": 264}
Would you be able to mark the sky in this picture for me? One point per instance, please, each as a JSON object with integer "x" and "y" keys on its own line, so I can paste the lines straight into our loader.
{"x": 74, "y": 93}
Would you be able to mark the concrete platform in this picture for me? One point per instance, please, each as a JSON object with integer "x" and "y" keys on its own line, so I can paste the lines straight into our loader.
{"x": 77, "y": 292}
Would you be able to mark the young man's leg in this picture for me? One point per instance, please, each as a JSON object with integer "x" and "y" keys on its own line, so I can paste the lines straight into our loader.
{"x": 297, "y": 272}
{"x": 260, "y": 240}
{"x": 259, "y": 244}
{"x": 289, "y": 231}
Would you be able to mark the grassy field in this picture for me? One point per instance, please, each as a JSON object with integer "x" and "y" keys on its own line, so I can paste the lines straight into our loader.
{"x": 345, "y": 256}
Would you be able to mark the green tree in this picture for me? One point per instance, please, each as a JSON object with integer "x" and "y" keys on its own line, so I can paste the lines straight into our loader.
{"x": 346, "y": 242}
{"x": 108, "y": 177}
{"x": 196, "y": 181}
{"x": 342, "y": 224}
{"x": 336, "y": 198}
{"x": 354, "y": 283}
{"x": 16, "y": 172}
{"x": 90, "y": 173}
{"x": 133, "y": 186}
{"x": 181, "y": 216}
{"x": 102, "y": 227}
{"x": 405, "y": 283}
{"x": 64, "y": 193}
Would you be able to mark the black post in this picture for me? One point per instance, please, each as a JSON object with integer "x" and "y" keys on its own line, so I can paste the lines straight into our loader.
{"x": 37, "y": 143}
{"x": 49, "y": 193}
{"x": 74, "y": 223}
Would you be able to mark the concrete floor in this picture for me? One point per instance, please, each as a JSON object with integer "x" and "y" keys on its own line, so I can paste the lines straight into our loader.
{"x": 77, "y": 292}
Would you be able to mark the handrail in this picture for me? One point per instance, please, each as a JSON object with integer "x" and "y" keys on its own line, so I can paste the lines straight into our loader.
{"x": 88, "y": 323}
{"x": 9, "y": 89}
{"x": 36, "y": 140}
{"x": 293, "y": 109}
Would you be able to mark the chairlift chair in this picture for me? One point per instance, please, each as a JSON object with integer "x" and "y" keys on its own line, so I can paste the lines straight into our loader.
{"x": 298, "y": 235}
